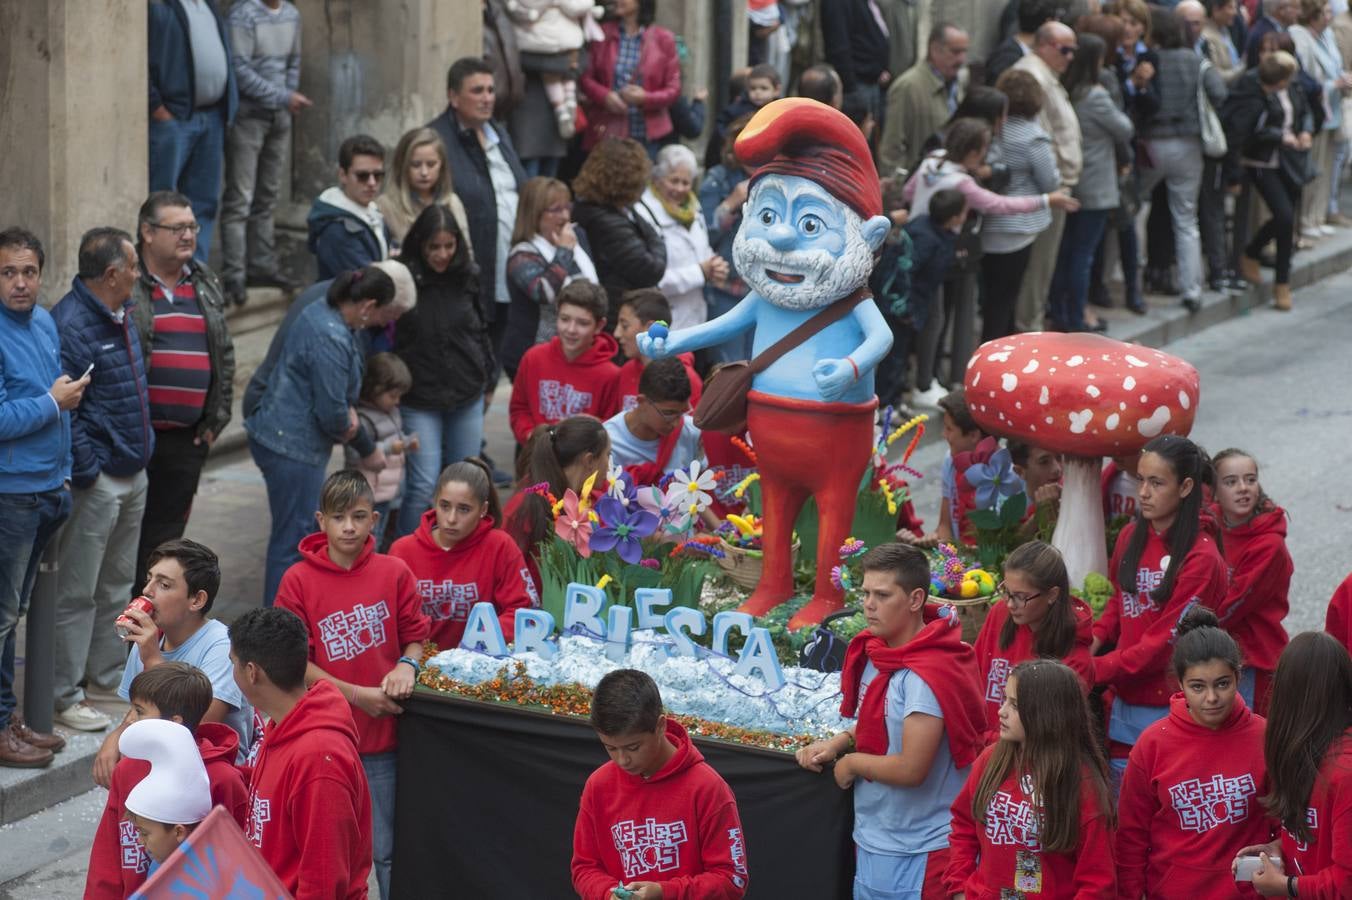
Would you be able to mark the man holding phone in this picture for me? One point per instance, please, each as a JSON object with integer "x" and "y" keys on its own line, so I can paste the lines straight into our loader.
{"x": 36, "y": 398}
{"x": 111, "y": 442}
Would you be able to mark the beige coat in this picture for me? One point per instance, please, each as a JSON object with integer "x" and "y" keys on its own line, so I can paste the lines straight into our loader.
{"x": 1217, "y": 55}
{"x": 1057, "y": 118}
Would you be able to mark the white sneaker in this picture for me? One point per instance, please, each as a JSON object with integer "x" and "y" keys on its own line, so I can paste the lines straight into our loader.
{"x": 1327, "y": 230}
{"x": 929, "y": 397}
{"x": 83, "y": 717}
{"x": 1313, "y": 234}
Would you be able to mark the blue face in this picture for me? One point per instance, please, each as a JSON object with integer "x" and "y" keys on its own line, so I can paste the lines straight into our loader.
{"x": 799, "y": 247}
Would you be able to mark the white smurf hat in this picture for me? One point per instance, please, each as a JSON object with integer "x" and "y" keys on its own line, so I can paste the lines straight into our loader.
{"x": 177, "y": 791}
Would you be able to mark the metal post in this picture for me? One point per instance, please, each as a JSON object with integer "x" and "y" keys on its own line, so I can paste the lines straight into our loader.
{"x": 40, "y": 648}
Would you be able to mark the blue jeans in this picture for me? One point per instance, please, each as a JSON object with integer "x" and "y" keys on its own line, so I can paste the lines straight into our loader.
{"x": 293, "y": 497}
{"x": 27, "y": 524}
{"x": 380, "y": 780}
{"x": 445, "y": 436}
{"x": 188, "y": 156}
{"x": 1075, "y": 260}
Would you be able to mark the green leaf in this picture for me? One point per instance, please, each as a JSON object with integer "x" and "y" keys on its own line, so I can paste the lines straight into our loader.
{"x": 1011, "y": 513}
{"x": 984, "y": 519}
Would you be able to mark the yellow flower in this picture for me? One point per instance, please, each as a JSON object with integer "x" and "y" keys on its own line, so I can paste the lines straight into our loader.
{"x": 605, "y": 580}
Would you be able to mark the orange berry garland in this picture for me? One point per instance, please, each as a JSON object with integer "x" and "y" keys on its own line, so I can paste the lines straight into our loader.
{"x": 574, "y": 700}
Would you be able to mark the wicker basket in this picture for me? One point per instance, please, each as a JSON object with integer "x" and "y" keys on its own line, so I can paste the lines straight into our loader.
{"x": 743, "y": 566}
{"x": 972, "y": 612}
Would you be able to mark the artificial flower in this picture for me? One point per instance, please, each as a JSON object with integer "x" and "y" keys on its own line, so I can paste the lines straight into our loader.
{"x": 622, "y": 489}
{"x": 692, "y": 488}
{"x": 652, "y": 499}
{"x": 573, "y": 524}
{"x": 851, "y": 548}
{"x": 622, "y": 529}
{"x": 994, "y": 479}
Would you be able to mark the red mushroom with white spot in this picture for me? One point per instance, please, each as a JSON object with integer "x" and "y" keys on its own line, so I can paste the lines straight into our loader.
{"x": 1084, "y": 396}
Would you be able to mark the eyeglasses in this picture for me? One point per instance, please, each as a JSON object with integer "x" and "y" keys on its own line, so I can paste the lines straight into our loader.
{"x": 178, "y": 230}
{"x": 670, "y": 415}
{"x": 376, "y": 175}
{"x": 1069, "y": 50}
{"x": 1016, "y": 599}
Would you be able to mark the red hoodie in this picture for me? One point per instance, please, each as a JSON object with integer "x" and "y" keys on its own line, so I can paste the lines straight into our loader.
{"x": 631, "y": 371}
{"x": 486, "y": 565}
{"x": 1010, "y": 831}
{"x": 1139, "y": 668}
{"x": 310, "y": 808}
{"x": 994, "y": 664}
{"x": 678, "y": 828}
{"x": 1260, "y": 577}
{"x": 118, "y": 861}
{"x": 1338, "y": 619}
{"x": 1189, "y": 803}
{"x": 1324, "y": 863}
{"x": 549, "y": 388}
{"x": 359, "y": 619}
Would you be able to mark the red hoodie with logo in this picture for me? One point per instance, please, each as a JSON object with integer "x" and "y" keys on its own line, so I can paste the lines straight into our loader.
{"x": 118, "y": 860}
{"x": 1144, "y": 632}
{"x": 678, "y": 828}
{"x": 1260, "y": 578}
{"x": 1323, "y": 864}
{"x": 309, "y": 806}
{"x": 549, "y": 388}
{"x": 1338, "y": 619}
{"x": 484, "y": 566}
{"x": 1003, "y": 856}
{"x": 359, "y": 619}
{"x": 1189, "y": 803}
{"x": 632, "y": 371}
{"x": 994, "y": 664}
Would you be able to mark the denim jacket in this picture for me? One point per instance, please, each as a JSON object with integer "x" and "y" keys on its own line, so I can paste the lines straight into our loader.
{"x": 304, "y": 409}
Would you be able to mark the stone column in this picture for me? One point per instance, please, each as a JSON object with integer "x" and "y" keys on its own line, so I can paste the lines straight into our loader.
{"x": 73, "y": 123}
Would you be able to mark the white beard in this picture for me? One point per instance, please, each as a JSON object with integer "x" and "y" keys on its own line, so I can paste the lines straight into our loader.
{"x": 826, "y": 278}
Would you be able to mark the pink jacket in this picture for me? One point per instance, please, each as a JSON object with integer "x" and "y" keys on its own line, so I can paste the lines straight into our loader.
{"x": 660, "y": 73}
{"x": 937, "y": 173}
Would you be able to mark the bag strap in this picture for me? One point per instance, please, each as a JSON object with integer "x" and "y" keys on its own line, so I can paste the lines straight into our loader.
{"x": 829, "y": 316}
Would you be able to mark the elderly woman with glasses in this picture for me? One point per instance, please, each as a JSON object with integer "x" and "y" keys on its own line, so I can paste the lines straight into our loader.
{"x": 671, "y": 204}
{"x": 1038, "y": 619}
{"x": 545, "y": 256}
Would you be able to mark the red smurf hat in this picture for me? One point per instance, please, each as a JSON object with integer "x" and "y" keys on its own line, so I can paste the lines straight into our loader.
{"x": 807, "y": 138}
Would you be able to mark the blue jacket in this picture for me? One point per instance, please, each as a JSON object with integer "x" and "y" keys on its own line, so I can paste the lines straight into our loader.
{"x": 171, "y": 67}
{"x": 340, "y": 241}
{"x": 110, "y": 429}
{"x": 932, "y": 250}
{"x": 303, "y": 412}
{"x": 34, "y": 433}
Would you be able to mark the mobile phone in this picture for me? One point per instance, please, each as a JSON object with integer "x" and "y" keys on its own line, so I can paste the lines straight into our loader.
{"x": 1247, "y": 866}
{"x": 621, "y": 892}
{"x": 86, "y": 372}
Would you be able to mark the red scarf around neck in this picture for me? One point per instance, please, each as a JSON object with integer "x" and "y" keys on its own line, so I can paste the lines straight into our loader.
{"x": 648, "y": 473}
{"x": 947, "y": 665}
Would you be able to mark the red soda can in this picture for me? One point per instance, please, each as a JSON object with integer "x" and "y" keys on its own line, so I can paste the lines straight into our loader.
{"x": 125, "y": 623}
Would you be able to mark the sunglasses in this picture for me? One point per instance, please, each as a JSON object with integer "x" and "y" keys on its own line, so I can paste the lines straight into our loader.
{"x": 376, "y": 175}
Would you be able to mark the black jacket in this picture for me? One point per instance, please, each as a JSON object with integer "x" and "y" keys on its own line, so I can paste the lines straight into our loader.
{"x": 855, "y": 45}
{"x": 473, "y": 184}
{"x": 444, "y": 340}
{"x": 1252, "y": 119}
{"x": 627, "y": 251}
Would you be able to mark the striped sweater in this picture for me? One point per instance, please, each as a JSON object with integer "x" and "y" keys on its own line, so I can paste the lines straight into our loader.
{"x": 265, "y": 52}
{"x": 1026, "y": 149}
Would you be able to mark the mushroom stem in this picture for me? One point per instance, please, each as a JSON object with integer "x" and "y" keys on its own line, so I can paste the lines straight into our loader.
{"x": 1079, "y": 533}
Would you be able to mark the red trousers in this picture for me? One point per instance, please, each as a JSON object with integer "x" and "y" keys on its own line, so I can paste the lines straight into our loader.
{"x": 806, "y": 449}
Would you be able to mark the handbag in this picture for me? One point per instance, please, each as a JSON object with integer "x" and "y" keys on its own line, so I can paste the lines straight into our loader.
{"x": 1213, "y": 135}
{"x": 722, "y": 406}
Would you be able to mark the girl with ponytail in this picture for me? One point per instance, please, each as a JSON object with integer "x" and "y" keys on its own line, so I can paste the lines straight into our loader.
{"x": 560, "y": 456}
{"x": 1165, "y": 561}
{"x": 1190, "y": 795}
{"x": 461, "y": 556}
{"x": 1035, "y": 817}
{"x": 1260, "y": 571}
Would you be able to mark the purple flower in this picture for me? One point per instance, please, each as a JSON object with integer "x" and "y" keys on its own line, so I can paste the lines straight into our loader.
{"x": 621, "y": 529}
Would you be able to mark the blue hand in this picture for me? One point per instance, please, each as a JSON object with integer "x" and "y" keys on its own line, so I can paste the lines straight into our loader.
{"x": 651, "y": 345}
{"x": 833, "y": 377}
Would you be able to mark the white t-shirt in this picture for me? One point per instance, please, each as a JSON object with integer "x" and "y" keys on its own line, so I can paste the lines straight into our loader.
{"x": 630, "y": 451}
{"x": 208, "y": 650}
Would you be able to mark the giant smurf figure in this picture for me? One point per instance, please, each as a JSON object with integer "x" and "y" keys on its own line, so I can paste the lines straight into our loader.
{"x": 810, "y": 227}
